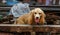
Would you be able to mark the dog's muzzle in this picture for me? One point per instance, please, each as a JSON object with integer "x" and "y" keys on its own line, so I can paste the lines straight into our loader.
{"x": 37, "y": 20}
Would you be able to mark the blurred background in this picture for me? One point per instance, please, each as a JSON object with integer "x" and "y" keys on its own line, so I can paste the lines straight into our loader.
{"x": 31, "y": 2}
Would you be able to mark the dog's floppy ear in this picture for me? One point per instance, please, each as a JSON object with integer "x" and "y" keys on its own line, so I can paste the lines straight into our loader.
{"x": 31, "y": 17}
{"x": 42, "y": 19}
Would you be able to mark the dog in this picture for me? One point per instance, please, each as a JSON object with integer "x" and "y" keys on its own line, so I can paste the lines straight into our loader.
{"x": 35, "y": 16}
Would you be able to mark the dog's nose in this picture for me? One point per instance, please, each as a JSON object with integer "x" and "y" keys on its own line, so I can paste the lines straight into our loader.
{"x": 37, "y": 17}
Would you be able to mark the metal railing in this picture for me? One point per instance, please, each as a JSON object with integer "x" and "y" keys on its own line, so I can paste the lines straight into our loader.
{"x": 30, "y": 25}
{"x": 45, "y": 8}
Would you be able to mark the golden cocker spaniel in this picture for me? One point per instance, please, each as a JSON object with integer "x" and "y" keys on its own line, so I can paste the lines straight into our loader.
{"x": 35, "y": 16}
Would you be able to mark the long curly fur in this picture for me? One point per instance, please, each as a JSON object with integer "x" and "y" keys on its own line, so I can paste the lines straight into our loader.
{"x": 29, "y": 17}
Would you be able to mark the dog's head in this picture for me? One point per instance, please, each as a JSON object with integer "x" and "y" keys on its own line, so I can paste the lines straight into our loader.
{"x": 37, "y": 16}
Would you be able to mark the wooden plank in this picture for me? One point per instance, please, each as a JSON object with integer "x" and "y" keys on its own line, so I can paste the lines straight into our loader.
{"x": 6, "y": 33}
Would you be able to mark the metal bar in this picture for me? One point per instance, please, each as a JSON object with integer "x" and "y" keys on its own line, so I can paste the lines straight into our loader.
{"x": 44, "y": 8}
{"x": 30, "y": 25}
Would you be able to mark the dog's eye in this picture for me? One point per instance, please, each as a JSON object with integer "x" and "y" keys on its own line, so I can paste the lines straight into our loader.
{"x": 39, "y": 13}
{"x": 35, "y": 13}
